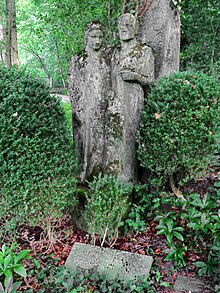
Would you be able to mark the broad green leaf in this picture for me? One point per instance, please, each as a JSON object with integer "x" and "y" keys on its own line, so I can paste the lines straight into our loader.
{"x": 21, "y": 271}
{"x": 15, "y": 287}
{"x": 170, "y": 224}
{"x": 23, "y": 254}
{"x": 169, "y": 237}
{"x": 7, "y": 261}
{"x": 162, "y": 231}
{"x": 4, "y": 247}
{"x": 200, "y": 264}
{"x": 178, "y": 235}
{"x": 8, "y": 274}
{"x": 158, "y": 227}
{"x": 180, "y": 229}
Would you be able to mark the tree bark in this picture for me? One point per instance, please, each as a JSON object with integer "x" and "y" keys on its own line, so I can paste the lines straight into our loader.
{"x": 11, "y": 34}
{"x": 2, "y": 38}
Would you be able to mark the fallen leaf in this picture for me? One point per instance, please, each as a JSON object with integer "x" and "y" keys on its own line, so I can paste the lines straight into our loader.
{"x": 157, "y": 251}
{"x": 157, "y": 116}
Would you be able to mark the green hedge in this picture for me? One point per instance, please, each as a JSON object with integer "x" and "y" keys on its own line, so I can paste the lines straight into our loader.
{"x": 37, "y": 159}
{"x": 179, "y": 125}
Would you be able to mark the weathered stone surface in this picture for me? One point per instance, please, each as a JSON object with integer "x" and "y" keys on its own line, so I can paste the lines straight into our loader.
{"x": 112, "y": 263}
{"x": 89, "y": 85}
{"x": 160, "y": 29}
{"x": 107, "y": 96}
{"x": 132, "y": 68}
{"x": 188, "y": 284}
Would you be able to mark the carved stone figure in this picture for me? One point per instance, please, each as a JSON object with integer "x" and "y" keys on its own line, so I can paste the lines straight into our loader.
{"x": 107, "y": 97}
{"x": 132, "y": 69}
{"x": 89, "y": 84}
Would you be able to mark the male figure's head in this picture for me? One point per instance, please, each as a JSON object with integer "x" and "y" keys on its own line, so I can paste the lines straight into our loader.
{"x": 94, "y": 35}
{"x": 127, "y": 27}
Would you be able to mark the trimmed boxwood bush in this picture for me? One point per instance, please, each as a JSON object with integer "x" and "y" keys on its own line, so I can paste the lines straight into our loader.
{"x": 37, "y": 160}
{"x": 178, "y": 126}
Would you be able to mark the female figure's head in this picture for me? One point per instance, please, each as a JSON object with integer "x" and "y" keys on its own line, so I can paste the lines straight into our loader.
{"x": 94, "y": 35}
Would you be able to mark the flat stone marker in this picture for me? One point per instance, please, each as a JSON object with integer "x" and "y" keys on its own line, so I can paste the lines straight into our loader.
{"x": 188, "y": 284}
{"x": 112, "y": 263}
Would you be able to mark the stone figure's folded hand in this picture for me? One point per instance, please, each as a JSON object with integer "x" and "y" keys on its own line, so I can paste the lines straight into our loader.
{"x": 129, "y": 75}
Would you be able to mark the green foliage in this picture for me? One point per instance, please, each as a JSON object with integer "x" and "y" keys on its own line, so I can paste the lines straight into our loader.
{"x": 10, "y": 287}
{"x": 208, "y": 267}
{"x": 55, "y": 31}
{"x": 68, "y": 113}
{"x": 168, "y": 228}
{"x": 10, "y": 263}
{"x": 141, "y": 209}
{"x": 191, "y": 224}
{"x": 179, "y": 125}
{"x": 37, "y": 160}
{"x": 197, "y": 222}
{"x": 107, "y": 204}
{"x": 63, "y": 280}
{"x": 177, "y": 254}
{"x": 200, "y": 36}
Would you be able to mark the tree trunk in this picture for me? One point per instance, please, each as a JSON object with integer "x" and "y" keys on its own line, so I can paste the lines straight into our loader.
{"x": 11, "y": 34}
{"x": 14, "y": 43}
{"x": 2, "y": 41}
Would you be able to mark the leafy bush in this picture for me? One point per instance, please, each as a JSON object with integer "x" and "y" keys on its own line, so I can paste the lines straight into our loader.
{"x": 107, "y": 204}
{"x": 37, "y": 160}
{"x": 179, "y": 126}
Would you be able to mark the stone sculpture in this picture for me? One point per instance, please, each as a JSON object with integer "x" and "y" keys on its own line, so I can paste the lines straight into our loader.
{"x": 106, "y": 92}
{"x": 89, "y": 90}
{"x": 132, "y": 69}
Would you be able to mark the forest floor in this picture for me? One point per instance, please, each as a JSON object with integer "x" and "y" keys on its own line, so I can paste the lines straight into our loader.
{"x": 58, "y": 244}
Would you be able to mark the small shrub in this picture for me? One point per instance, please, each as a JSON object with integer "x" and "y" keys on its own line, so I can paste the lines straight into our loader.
{"x": 179, "y": 126}
{"x": 107, "y": 204}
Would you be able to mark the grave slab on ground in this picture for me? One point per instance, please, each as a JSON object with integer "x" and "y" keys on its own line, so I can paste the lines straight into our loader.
{"x": 112, "y": 263}
{"x": 188, "y": 284}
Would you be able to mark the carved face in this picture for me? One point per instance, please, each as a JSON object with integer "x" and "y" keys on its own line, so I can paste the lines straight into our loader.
{"x": 127, "y": 27}
{"x": 94, "y": 39}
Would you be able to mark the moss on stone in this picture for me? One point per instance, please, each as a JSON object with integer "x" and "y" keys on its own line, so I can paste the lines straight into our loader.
{"x": 115, "y": 124}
